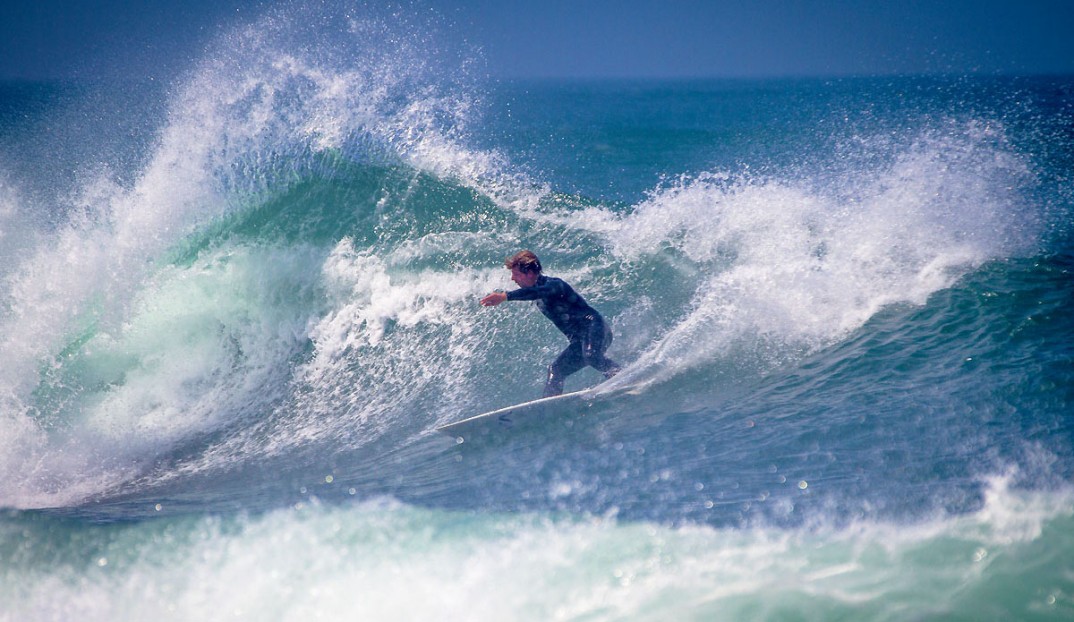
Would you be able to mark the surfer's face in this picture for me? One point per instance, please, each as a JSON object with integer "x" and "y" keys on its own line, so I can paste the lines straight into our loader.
{"x": 523, "y": 279}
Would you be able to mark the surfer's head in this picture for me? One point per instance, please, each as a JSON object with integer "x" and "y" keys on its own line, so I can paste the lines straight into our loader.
{"x": 525, "y": 261}
{"x": 524, "y": 267}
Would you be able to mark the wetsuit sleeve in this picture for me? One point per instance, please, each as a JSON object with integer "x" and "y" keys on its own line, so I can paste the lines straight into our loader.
{"x": 536, "y": 292}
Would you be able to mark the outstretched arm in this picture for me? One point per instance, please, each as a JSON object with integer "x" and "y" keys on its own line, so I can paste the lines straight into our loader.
{"x": 493, "y": 299}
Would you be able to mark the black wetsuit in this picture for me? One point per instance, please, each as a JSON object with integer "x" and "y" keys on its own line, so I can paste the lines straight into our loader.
{"x": 589, "y": 335}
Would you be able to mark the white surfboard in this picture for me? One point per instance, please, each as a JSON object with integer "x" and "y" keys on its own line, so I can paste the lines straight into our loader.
{"x": 512, "y": 416}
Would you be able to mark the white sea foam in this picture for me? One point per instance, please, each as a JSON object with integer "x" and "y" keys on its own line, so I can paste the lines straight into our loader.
{"x": 787, "y": 263}
{"x": 385, "y": 560}
{"x": 764, "y": 261}
{"x": 265, "y": 96}
{"x": 389, "y": 346}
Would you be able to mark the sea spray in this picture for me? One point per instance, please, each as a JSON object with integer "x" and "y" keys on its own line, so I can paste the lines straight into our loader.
{"x": 240, "y": 128}
{"x": 224, "y": 364}
{"x": 800, "y": 267}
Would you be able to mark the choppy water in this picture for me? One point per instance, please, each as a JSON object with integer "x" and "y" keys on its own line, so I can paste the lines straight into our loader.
{"x": 234, "y": 310}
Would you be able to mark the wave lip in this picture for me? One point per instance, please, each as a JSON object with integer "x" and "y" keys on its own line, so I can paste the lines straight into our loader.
{"x": 794, "y": 266}
{"x": 255, "y": 116}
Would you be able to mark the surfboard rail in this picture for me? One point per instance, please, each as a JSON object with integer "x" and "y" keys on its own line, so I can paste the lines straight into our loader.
{"x": 509, "y": 416}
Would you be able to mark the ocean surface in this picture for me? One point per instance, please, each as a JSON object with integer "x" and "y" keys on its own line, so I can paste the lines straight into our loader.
{"x": 235, "y": 306}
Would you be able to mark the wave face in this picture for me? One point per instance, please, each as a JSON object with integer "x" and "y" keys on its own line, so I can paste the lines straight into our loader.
{"x": 225, "y": 348}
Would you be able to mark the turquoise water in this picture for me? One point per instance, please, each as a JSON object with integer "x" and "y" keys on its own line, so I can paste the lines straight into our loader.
{"x": 235, "y": 308}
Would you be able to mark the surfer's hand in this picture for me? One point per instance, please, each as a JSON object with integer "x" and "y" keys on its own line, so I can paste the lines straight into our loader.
{"x": 493, "y": 299}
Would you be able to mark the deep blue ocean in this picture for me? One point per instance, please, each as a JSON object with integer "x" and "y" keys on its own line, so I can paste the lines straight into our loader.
{"x": 235, "y": 306}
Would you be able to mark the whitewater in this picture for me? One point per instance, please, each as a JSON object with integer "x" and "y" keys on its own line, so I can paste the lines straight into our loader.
{"x": 231, "y": 321}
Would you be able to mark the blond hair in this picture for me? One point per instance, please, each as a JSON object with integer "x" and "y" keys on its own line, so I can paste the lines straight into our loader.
{"x": 525, "y": 261}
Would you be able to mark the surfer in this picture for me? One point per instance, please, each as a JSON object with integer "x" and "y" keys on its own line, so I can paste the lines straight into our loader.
{"x": 587, "y": 331}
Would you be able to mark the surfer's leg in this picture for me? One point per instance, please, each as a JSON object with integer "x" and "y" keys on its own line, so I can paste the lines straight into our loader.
{"x": 568, "y": 362}
{"x": 595, "y": 343}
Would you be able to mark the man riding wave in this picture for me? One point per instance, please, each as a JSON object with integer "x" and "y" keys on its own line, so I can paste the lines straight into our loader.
{"x": 588, "y": 333}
